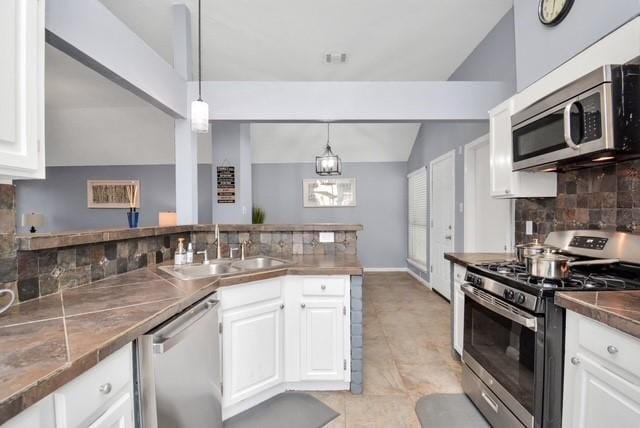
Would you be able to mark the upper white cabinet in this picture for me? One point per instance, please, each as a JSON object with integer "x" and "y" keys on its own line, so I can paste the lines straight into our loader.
{"x": 505, "y": 183}
{"x": 22, "y": 89}
{"x": 601, "y": 375}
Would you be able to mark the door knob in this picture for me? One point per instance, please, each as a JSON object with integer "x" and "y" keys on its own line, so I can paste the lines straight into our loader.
{"x": 575, "y": 361}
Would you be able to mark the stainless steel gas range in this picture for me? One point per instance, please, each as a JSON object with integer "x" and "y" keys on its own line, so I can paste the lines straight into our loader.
{"x": 514, "y": 333}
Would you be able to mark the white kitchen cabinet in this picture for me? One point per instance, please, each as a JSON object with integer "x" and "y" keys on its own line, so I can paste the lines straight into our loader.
{"x": 39, "y": 415}
{"x": 252, "y": 350}
{"x": 601, "y": 375}
{"x": 322, "y": 354}
{"x": 22, "y": 89}
{"x": 505, "y": 183}
{"x": 118, "y": 415}
{"x": 459, "y": 272}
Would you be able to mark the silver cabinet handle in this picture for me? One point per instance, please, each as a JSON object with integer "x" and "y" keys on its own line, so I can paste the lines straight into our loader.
{"x": 323, "y": 287}
{"x": 105, "y": 388}
{"x": 575, "y": 361}
{"x": 282, "y": 306}
{"x": 506, "y": 191}
{"x": 302, "y": 305}
{"x": 447, "y": 237}
{"x": 612, "y": 349}
{"x": 490, "y": 402}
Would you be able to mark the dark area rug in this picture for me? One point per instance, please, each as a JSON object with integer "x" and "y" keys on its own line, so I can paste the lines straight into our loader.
{"x": 449, "y": 411}
{"x": 289, "y": 409}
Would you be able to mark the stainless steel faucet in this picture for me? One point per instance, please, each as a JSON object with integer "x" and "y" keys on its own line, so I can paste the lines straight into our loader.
{"x": 206, "y": 258}
{"x": 242, "y": 248}
{"x": 217, "y": 235}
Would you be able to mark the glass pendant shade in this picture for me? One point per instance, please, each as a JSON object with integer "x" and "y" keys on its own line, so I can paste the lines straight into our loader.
{"x": 328, "y": 163}
{"x": 200, "y": 117}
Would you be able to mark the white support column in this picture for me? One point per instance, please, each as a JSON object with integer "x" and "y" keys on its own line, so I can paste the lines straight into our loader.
{"x": 186, "y": 141}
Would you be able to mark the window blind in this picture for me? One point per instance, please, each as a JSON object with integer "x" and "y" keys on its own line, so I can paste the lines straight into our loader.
{"x": 417, "y": 182}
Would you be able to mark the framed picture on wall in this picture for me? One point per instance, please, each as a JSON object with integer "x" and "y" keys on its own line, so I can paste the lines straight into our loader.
{"x": 329, "y": 192}
{"x": 113, "y": 193}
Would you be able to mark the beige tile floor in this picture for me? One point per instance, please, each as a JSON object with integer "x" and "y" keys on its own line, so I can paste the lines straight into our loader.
{"x": 406, "y": 354}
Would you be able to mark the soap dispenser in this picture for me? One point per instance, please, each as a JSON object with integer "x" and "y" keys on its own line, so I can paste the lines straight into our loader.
{"x": 190, "y": 253}
{"x": 181, "y": 254}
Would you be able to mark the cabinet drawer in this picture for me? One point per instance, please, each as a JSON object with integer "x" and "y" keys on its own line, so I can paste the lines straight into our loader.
{"x": 459, "y": 272}
{"x": 89, "y": 394}
{"x": 323, "y": 286}
{"x": 609, "y": 344}
{"x": 246, "y": 294}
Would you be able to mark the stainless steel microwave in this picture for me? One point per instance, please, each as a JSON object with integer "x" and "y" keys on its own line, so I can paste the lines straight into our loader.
{"x": 593, "y": 120}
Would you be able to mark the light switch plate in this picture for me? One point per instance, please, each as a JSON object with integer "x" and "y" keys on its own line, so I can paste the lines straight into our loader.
{"x": 529, "y": 227}
{"x": 326, "y": 237}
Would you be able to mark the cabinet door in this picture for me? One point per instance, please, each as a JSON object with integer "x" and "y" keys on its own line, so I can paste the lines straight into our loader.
{"x": 118, "y": 415}
{"x": 253, "y": 349}
{"x": 596, "y": 397}
{"x": 500, "y": 150}
{"x": 21, "y": 87}
{"x": 322, "y": 339}
{"x": 458, "y": 317}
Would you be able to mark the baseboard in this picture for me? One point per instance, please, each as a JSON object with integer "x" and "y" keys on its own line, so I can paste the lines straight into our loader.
{"x": 419, "y": 279}
{"x": 385, "y": 269}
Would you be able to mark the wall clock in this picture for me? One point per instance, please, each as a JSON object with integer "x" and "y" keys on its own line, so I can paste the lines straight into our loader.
{"x": 552, "y": 12}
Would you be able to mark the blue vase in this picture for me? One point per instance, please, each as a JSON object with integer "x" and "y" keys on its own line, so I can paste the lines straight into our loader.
{"x": 133, "y": 218}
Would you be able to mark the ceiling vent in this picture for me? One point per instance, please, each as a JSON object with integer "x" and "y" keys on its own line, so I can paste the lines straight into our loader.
{"x": 335, "y": 58}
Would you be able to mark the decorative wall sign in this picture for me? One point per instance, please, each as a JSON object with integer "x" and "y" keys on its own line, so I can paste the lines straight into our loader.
{"x": 226, "y": 183}
{"x": 113, "y": 194}
{"x": 329, "y": 192}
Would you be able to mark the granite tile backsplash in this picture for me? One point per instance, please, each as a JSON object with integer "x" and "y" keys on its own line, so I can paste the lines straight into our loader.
{"x": 600, "y": 198}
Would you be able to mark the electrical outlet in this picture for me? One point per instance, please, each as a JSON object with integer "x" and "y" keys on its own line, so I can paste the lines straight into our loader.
{"x": 326, "y": 237}
{"x": 529, "y": 227}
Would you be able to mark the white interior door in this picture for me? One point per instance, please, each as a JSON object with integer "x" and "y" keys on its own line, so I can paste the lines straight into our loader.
{"x": 442, "y": 230}
{"x": 488, "y": 221}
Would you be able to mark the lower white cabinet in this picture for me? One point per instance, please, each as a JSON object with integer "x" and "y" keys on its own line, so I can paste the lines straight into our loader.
{"x": 457, "y": 301}
{"x": 252, "y": 350}
{"x": 322, "y": 331}
{"x": 102, "y": 397}
{"x": 601, "y": 376}
{"x": 283, "y": 334}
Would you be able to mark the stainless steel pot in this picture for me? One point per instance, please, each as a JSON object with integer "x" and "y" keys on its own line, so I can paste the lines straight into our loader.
{"x": 531, "y": 249}
{"x": 557, "y": 266}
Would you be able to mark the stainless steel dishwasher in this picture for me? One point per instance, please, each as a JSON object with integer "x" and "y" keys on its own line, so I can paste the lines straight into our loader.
{"x": 179, "y": 371}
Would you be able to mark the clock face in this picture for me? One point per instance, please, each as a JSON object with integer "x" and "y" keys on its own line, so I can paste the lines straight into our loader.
{"x": 551, "y": 12}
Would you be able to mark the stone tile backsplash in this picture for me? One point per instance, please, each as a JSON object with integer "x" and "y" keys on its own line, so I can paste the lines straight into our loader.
{"x": 601, "y": 198}
{"x": 38, "y": 273}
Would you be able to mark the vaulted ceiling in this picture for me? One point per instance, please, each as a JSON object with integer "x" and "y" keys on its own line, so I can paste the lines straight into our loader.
{"x": 287, "y": 39}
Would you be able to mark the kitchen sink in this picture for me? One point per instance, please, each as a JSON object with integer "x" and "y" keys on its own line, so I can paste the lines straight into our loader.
{"x": 200, "y": 270}
{"x": 257, "y": 263}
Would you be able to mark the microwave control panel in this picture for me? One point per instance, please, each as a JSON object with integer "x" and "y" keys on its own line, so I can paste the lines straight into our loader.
{"x": 588, "y": 242}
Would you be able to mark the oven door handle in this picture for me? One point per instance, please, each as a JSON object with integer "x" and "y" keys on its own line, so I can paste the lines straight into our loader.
{"x": 513, "y": 313}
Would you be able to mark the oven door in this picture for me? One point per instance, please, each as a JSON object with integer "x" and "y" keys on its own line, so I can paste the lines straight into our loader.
{"x": 500, "y": 348}
{"x": 577, "y": 127}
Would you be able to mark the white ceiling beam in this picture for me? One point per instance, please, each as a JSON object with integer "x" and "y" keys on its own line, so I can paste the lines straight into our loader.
{"x": 262, "y": 101}
{"x": 90, "y": 33}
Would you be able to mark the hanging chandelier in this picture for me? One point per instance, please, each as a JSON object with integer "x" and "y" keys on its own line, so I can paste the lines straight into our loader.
{"x": 199, "y": 108}
{"x": 328, "y": 163}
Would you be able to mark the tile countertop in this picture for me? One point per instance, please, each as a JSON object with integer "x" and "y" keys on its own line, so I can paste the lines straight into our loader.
{"x": 466, "y": 259}
{"x": 49, "y": 341}
{"x": 617, "y": 309}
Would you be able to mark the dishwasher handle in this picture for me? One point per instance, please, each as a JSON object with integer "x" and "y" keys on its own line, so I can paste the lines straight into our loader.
{"x": 177, "y": 330}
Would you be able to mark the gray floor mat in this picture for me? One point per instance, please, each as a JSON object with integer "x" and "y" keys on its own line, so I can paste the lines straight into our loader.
{"x": 449, "y": 411}
{"x": 289, "y": 409}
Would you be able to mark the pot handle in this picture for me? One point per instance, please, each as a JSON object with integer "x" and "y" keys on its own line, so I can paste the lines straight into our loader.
{"x": 593, "y": 262}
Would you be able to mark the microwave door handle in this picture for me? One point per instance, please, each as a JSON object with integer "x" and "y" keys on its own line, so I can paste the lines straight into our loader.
{"x": 566, "y": 119}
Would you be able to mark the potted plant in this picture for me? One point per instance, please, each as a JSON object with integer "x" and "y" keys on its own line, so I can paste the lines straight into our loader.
{"x": 257, "y": 215}
{"x": 133, "y": 216}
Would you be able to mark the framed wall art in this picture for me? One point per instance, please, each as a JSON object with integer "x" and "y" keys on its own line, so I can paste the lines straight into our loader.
{"x": 113, "y": 194}
{"x": 329, "y": 192}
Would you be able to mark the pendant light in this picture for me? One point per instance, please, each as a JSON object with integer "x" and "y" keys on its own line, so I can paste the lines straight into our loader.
{"x": 199, "y": 108}
{"x": 328, "y": 163}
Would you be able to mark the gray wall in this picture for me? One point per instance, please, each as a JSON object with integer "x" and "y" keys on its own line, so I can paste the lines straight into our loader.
{"x": 231, "y": 146}
{"x": 381, "y": 205}
{"x": 62, "y": 197}
{"x": 541, "y": 49}
{"x": 492, "y": 59}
